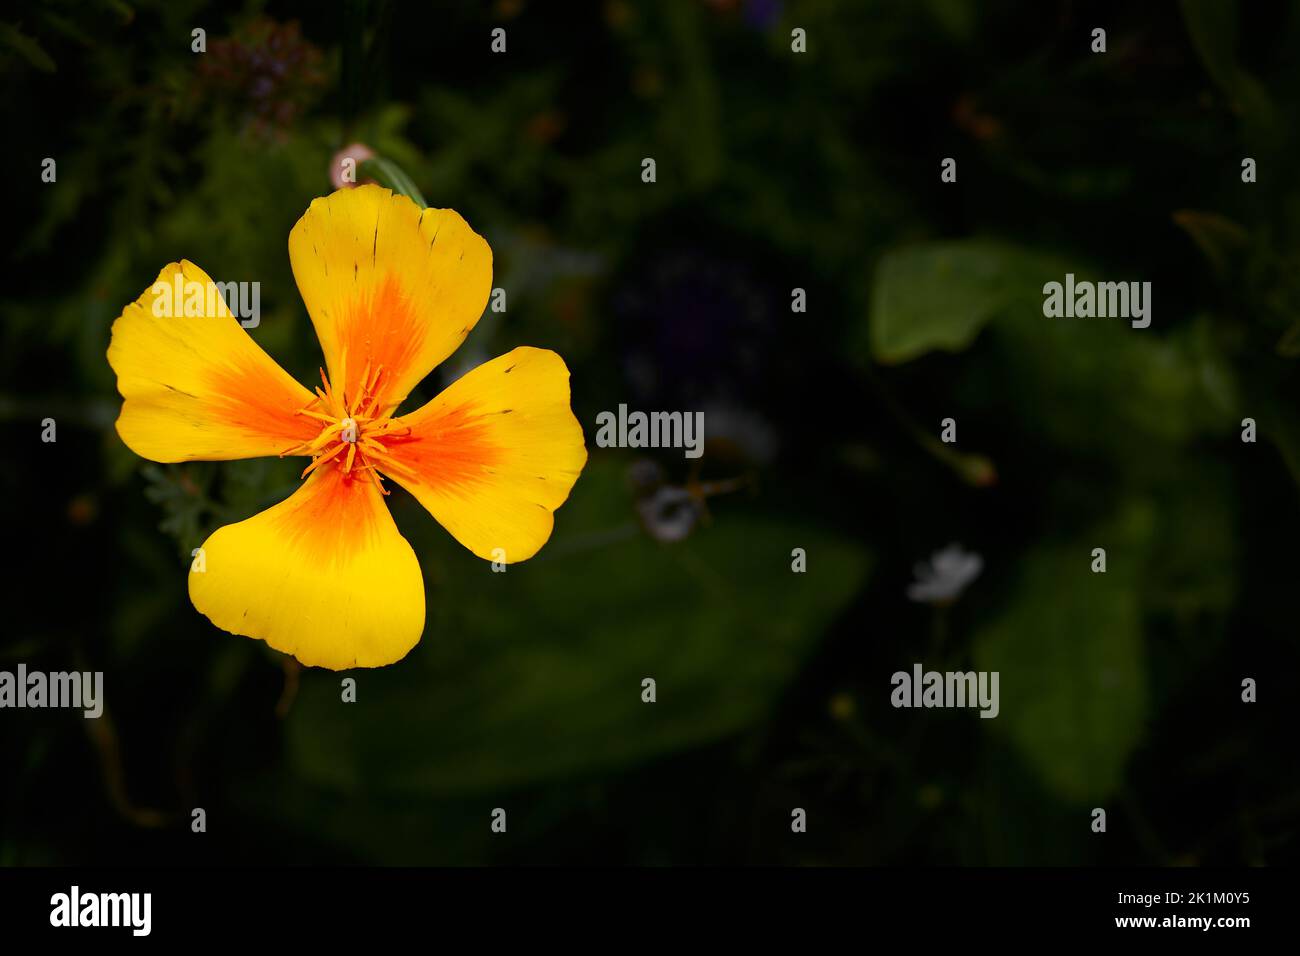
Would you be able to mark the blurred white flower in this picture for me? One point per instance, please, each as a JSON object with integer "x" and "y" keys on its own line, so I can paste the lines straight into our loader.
{"x": 946, "y": 575}
{"x": 669, "y": 513}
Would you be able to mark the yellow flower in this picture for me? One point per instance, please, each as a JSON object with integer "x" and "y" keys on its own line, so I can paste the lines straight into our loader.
{"x": 392, "y": 291}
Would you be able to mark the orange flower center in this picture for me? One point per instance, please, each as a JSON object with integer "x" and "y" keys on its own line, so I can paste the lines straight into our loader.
{"x": 354, "y": 430}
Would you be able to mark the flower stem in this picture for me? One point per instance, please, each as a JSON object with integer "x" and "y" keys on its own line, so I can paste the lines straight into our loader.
{"x": 388, "y": 173}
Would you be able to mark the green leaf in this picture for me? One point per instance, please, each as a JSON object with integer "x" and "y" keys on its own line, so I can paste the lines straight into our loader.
{"x": 938, "y": 295}
{"x": 1098, "y": 384}
{"x": 1213, "y": 28}
{"x": 1197, "y": 544}
{"x": 26, "y": 47}
{"x": 537, "y": 672}
{"x": 1069, "y": 653}
{"x": 1101, "y": 386}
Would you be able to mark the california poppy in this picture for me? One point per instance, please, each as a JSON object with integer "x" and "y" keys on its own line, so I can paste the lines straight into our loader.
{"x": 392, "y": 291}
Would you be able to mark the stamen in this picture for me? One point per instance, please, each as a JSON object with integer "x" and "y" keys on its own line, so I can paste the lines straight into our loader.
{"x": 352, "y": 423}
{"x": 391, "y": 466}
{"x": 369, "y": 393}
{"x": 343, "y": 378}
{"x": 321, "y": 459}
{"x": 373, "y": 474}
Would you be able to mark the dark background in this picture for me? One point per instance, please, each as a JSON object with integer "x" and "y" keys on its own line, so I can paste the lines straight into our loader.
{"x": 775, "y": 170}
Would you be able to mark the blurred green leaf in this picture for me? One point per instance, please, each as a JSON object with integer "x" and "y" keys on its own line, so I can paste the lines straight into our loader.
{"x": 1101, "y": 386}
{"x": 937, "y": 295}
{"x": 1069, "y": 652}
{"x": 1098, "y": 384}
{"x": 1213, "y": 28}
{"x": 1196, "y": 547}
{"x": 956, "y": 18}
{"x": 27, "y": 48}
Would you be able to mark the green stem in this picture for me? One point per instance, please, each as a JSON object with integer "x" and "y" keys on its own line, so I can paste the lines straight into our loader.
{"x": 389, "y": 174}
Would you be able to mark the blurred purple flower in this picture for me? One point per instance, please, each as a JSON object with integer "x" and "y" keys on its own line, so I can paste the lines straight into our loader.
{"x": 762, "y": 14}
{"x": 266, "y": 71}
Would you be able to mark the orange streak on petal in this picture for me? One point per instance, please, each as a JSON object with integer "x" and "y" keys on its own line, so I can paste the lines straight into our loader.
{"x": 259, "y": 404}
{"x": 450, "y": 451}
{"x": 336, "y": 518}
{"x": 380, "y": 327}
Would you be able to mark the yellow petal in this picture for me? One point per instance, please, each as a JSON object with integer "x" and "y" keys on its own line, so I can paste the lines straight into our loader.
{"x": 494, "y": 455}
{"x": 324, "y": 575}
{"x": 388, "y": 284}
{"x": 196, "y": 386}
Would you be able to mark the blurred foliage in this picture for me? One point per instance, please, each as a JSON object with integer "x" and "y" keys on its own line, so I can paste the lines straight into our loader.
{"x": 536, "y": 685}
{"x": 818, "y": 171}
{"x": 938, "y": 296}
{"x": 1070, "y": 659}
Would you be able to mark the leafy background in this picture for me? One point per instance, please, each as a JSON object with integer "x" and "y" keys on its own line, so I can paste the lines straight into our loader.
{"x": 775, "y": 171}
